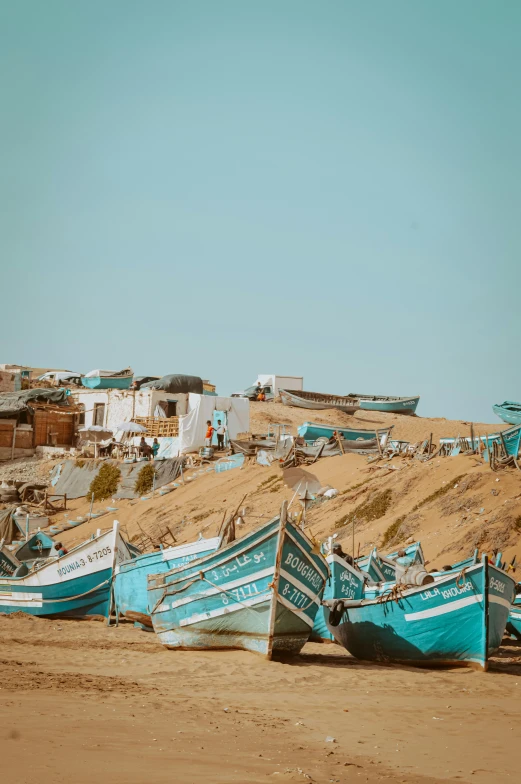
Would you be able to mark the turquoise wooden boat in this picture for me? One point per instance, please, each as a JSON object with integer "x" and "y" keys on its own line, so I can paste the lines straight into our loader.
{"x": 509, "y": 412}
{"x": 260, "y": 593}
{"x": 387, "y": 404}
{"x": 108, "y": 379}
{"x": 8, "y": 562}
{"x": 459, "y": 619}
{"x": 382, "y": 568}
{"x": 77, "y": 584}
{"x": 511, "y": 437}
{"x": 348, "y": 582}
{"x": 514, "y": 617}
{"x": 311, "y": 431}
{"x": 130, "y": 582}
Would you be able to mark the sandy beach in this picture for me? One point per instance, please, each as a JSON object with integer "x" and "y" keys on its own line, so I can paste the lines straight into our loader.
{"x": 85, "y": 702}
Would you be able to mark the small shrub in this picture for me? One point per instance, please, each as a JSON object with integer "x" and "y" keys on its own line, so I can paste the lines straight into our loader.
{"x": 517, "y": 523}
{"x": 372, "y": 509}
{"x": 79, "y": 463}
{"x": 145, "y": 479}
{"x": 106, "y": 482}
{"x": 439, "y": 493}
{"x": 269, "y": 480}
{"x": 392, "y": 532}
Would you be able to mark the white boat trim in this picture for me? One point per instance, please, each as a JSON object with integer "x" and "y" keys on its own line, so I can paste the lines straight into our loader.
{"x": 499, "y": 600}
{"x": 517, "y": 616}
{"x": 308, "y": 556}
{"x": 21, "y": 599}
{"x": 213, "y": 591}
{"x": 194, "y": 564}
{"x": 299, "y": 613}
{"x": 198, "y": 617}
{"x": 432, "y": 612}
{"x": 300, "y": 586}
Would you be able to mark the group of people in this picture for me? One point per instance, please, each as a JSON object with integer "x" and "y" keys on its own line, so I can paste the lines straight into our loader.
{"x": 220, "y": 431}
{"x": 145, "y": 450}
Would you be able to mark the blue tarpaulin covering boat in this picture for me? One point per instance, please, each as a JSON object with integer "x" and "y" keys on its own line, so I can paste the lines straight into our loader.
{"x": 260, "y": 593}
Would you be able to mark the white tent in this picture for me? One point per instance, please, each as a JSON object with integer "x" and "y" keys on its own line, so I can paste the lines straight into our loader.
{"x": 192, "y": 426}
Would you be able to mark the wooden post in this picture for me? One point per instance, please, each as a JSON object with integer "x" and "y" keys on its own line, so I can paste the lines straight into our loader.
{"x": 430, "y": 443}
{"x": 472, "y": 438}
{"x": 380, "y": 453}
{"x": 13, "y": 442}
{"x": 354, "y": 538}
{"x": 340, "y": 444}
{"x": 91, "y": 505}
{"x": 65, "y": 502}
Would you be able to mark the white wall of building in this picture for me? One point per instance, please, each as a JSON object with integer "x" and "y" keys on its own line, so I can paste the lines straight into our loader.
{"x": 122, "y": 405}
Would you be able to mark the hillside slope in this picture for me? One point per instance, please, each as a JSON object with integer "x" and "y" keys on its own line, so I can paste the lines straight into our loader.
{"x": 453, "y": 505}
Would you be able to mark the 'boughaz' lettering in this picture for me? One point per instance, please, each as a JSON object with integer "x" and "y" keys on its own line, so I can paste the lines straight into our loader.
{"x": 305, "y": 571}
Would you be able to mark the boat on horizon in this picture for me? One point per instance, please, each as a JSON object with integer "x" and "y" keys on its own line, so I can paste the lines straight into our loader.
{"x": 455, "y": 620}
{"x": 130, "y": 580}
{"x": 317, "y": 400}
{"x": 509, "y": 412}
{"x": 388, "y": 404}
{"x": 108, "y": 379}
{"x": 260, "y": 593}
{"x": 349, "y": 404}
{"x": 77, "y": 584}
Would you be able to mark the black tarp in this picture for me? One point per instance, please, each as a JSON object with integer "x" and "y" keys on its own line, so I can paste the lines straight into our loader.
{"x": 16, "y": 402}
{"x": 175, "y": 383}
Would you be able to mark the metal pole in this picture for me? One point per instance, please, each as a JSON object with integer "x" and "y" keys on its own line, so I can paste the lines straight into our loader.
{"x": 27, "y": 527}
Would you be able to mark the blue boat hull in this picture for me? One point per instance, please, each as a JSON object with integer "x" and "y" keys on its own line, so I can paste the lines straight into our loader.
{"x": 458, "y": 620}
{"x": 310, "y": 431}
{"x": 514, "y": 618}
{"x": 398, "y": 406}
{"x": 77, "y": 584}
{"x": 98, "y": 382}
{"x": 260, "y": 593}
{"x": 130, "y": 582}
{"x": 509, "y": 412}
{"x": 344, "y": 580}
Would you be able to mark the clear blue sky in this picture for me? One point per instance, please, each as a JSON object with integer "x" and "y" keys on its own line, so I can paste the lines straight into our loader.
{"x": 327, "y": 189}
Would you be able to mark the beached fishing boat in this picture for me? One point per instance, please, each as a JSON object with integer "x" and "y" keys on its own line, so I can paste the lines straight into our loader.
{"x": 311, "y": 431}
{"x": 458, "y": 619}
{"x": 108, "y": 379}
{"x": 130, "y": 582}
{"x": 382, "y": 568}
{"x": 514, "y": 617}
{"x": 345, "y": 580}
{"x": 77, "y": 584}
{"x": 509, "y": 412}
{"x": 317, "y": 401}
{"x": 260, "y": 593}
{"x": 386, "y": 403}
{"x": 510, "y": 437}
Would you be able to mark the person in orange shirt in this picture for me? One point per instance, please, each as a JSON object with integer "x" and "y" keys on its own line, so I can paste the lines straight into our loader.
{"x": 209, "y": 433}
